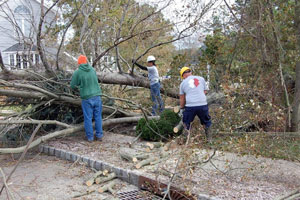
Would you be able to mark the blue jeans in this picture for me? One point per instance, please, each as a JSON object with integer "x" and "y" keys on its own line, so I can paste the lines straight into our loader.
{"x": 158, "y": 104}
{"x": 190, "y": 113}
{"x": 92, "y": 107}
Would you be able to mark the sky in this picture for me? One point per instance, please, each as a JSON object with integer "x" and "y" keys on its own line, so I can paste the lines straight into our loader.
{"x": 196, "y": 40}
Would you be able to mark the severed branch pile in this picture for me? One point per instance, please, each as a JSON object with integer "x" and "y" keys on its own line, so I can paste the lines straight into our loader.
{"x": 141, "y": 159}
{"x": 105, "y": 179}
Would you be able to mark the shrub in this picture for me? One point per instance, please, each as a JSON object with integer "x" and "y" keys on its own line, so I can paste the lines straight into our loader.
{"x": 164, "y": 126}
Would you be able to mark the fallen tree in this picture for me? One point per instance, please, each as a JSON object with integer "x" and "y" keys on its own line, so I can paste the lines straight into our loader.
{"x": 68, "y": 131}
{"x": 59, "y": 100}
{"x": 106, "y": 78}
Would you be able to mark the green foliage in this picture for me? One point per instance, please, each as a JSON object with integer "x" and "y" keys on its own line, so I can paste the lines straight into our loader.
{"x": 156, "y": 130}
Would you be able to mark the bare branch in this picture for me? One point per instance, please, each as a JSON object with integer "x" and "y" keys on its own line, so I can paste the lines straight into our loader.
{"x": 2, "y": 64}
{"x": 39, "y": 37}
{"x": 64, "y": 34}
{"x": 33, "y": 121}
{"x": 240, "y": 23}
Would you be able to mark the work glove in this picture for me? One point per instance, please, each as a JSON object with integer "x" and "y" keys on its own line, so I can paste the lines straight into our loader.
{"x": 181, "y": 112}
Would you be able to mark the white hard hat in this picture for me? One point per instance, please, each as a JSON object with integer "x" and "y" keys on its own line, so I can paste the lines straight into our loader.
{"x": 150, "y": 58}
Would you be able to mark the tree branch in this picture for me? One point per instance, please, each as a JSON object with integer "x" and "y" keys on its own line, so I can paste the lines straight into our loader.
{"x": 39, "y": 33}
{"x": 33, "y": 121}
{"x": 240, "y": 23}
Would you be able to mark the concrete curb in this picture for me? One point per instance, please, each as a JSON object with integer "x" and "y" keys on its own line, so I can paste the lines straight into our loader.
{"x": 123, "y": 174}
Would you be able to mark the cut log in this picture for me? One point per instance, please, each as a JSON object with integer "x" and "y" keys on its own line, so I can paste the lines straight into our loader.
{"x": 145, "y": 162}
{"x": 176, "y": 109}
{"x": 140, "y": 157}
{"x": 91, "y": 181}
{"x": 102, "y": 179}
{"x": 167, "y": 146}
{"x": 107, "y": 187}
{"x": 126, "y": 156}
{"x": 178, "y": 127}
{"x": 163, "y": 153}
{"x": 153, "y": 145}
{"x": 105, "y": 172}
{"x": 132, "y": 155}
{"x": 158, "y": 161}
{"x": 163, "y": 156}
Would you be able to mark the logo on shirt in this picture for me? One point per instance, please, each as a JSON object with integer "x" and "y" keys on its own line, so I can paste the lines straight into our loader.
{"x": 193, "y": 83}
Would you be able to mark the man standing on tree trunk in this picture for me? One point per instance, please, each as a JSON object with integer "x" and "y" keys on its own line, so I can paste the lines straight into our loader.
{"x": 86, "y": 80}
{"x": 158, "y": 105}
{"x": 193, "y": 90}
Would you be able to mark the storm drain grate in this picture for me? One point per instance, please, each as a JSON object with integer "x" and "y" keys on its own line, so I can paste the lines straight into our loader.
{"x": 137, "y": 195}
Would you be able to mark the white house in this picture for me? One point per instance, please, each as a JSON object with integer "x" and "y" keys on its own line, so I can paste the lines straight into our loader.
{"x": 19, "y": 21}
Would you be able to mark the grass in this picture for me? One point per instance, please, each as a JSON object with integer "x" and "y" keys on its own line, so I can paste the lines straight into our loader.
{"x": 275, "y": 146}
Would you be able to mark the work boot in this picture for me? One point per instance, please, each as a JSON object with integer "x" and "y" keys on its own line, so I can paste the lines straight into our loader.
{"x": 208, "y": 134}
{"x": 183, "y": 138}
{"x": 187, "y": 134}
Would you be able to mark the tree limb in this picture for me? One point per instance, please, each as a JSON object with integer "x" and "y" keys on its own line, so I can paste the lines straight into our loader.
{"x": 39, "y": 33}
{"x": 2, "y": 63}
{"x": 33, "y": 121}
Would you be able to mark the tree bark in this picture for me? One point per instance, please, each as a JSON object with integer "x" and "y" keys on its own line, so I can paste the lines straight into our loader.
{"x": 109, "y": 177}
{"x": 107, "y": 187}
{"x": 132, "y": 155}
{"x": 153, "y": 145}
{"x": 146, "y": 162}
{"x": 296, "y": 104}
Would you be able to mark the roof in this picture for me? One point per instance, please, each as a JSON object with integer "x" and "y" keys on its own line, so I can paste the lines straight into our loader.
{"x": 20, "y": 47}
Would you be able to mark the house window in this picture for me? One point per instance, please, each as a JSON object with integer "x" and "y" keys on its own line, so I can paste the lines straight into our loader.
{"x": 105, "y": 59}
{"x": 22, "y": 61}
{"x": 12, "y": 59}
{"x": 31, "y": 58}
{"x": 25, "y": 61}
{"x": 37, "y": 58}
{"x": 18, "y": 61}
{"x": 23, "y": 26}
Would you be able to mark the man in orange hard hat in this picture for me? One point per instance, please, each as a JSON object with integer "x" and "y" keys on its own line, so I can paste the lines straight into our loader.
{"x": 86, "y": 80}
{"x": 193, "y": 90}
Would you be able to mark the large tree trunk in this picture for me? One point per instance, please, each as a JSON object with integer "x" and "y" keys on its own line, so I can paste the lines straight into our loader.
{"x": 37, "y": 95}
{"x": 107, "y": 78}
{"x": 296, "y": 104}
